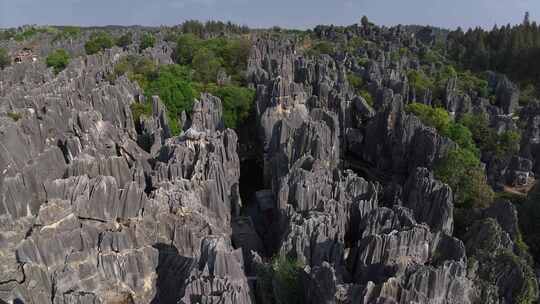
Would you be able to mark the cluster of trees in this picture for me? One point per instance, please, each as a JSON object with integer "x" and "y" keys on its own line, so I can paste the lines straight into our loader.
{"x": 147, "y": 41}
{"x": 436, "y": 82}
{"x": 488, "y": 140}
{"x": 124, "y": 40}
{"x": 360, "y": 88}
{"x": 208, "y": 57}
{"x": 68, "y": 32}
{"x": 140, "y": 110}
{"x": 321, "y": 48}
{"x": 7, "y": 34}
{"x": 281, "y": 281}
{"x": 237, "y": 102}
{"x": 32, "y": 31}
{"x": 512, "y": 50}
{"x": 173, "y": 84}
{"x": 461, "y": 168}
{"x": 98, "y": 42}
{"x": 58, "y": 60}
{"x": 60, "y": 33}
{"x": 178, "y": 86}
{"x": 212, "y": 27}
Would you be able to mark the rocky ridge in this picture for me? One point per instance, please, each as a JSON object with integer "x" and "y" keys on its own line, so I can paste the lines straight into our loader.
{"x": 97, "y": 208}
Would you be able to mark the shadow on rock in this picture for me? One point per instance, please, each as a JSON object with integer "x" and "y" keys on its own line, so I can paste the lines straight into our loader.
{"x": 172, "y": 271}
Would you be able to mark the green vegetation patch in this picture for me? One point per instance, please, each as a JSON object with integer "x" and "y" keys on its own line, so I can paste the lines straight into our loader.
{"x": 58, "y": 60}
{"x": 139, "y": 110}
{"x": 207, "y": 57}
{"x": 32, "y": 31}
{"x": 356, "y": 82}
{"x": 501, "y": 145}
{"x": 281, "y": 281}
{"x": 420, "y": 82}
{"x": 124, "y": 40}
{"x": 147, "y": 41}
{"x": 14, "y": 115}
{"x": 237, "y": 103}
{"x": 199, "y": 62}
{"x": 68, "y": 32}
{"x": 173, "y": 84}
{"x": 98, "y": 42}
{"x": 460, "y": 168}
{"x": 320, "y": 48}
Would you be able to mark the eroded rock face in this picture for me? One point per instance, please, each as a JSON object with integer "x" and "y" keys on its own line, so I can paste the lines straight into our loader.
{"x": 219, "y": 277}
{"x": 362, "y": 242}
{"x": 430, "y": 200}
{"x": 98, "y": 208}
{"x": 398, "y": 142}
{"x": 507, "y": 92}
{"x": 91, "y": 214}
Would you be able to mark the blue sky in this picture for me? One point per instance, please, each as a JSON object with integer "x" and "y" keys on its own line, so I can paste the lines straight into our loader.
{"x": 266, "y": 13}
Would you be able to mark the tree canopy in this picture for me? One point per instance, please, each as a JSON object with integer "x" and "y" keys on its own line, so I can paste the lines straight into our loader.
{"x": 460, "y": 168}
{"x": 58, "y": 60}
{"x": 512, "y": 50}
{"x": 147, "y": 41}
{"x": 98, "y": 42}
{"x": 124, "y": 40}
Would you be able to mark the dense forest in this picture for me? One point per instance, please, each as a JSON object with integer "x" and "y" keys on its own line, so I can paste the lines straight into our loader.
{"x": 513, "y": 50}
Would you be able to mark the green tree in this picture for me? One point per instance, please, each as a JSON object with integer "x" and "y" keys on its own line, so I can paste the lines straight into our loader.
{"x": 68, "y": 32}
{"x": 27, "y": 33}
{"x": 194, "y": 27}
{"x": 125, "y": 40}
{"x": 173, "y": 85}
{"x": 206, "y": 65}
{"x": 58, "y": 60}
{"x": 437, "y": 118}
{"x": 237, "y": 104}
{"x": 461, "y": 135}
{"x": 461, "y": 170}
{"x": 367, "y": 96}
{"x": 4, "y": 59}
{"x": 420, "y": 82}
{"x": 140, "y": 110}
{"x": 356, "y": 82}
{"x": 147, "y": 41}
{"x": 98, "y": 42}
{"x": 137, "y": 68}
{"x": 501, "y": 145}
{"x": 483, "y": 135}
{"x": 287, "y": 280}
{"x": 508, "y": 143}
{"x": 186, "y": 48}
{"x": 7, "y": 34}
{"x": 354, "y": 44}
{"x": 322, "y": 47}
{"x": 235, "y": 57}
